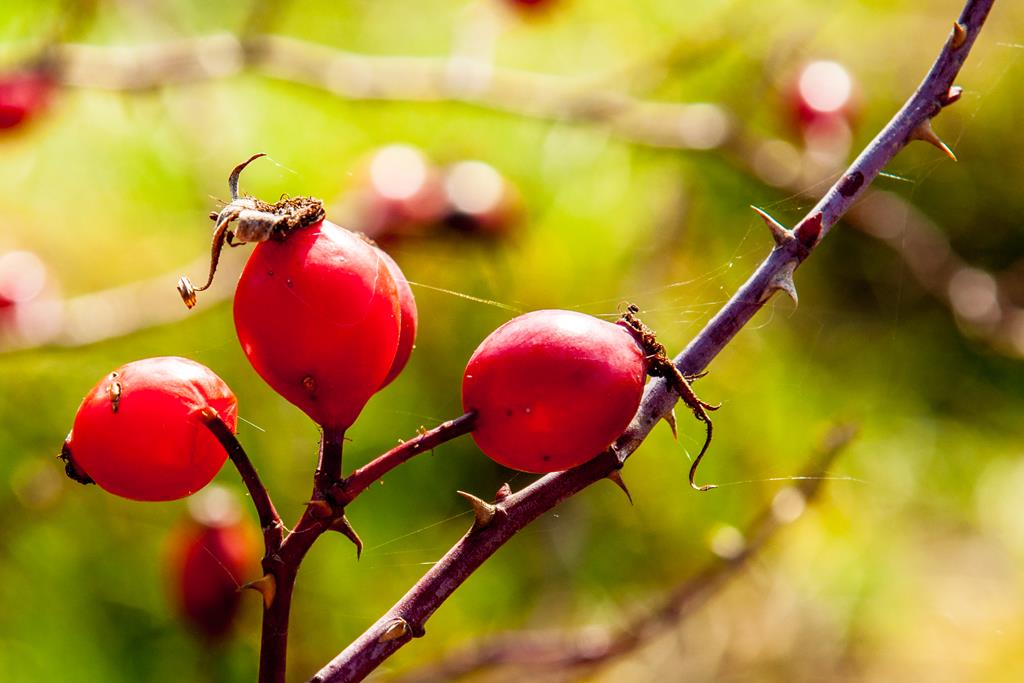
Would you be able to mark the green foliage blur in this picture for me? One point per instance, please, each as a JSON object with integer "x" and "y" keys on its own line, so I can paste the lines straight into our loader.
{"x": 910, "y": 565}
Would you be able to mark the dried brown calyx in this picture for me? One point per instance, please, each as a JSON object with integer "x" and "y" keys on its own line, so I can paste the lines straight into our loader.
{"x": 660, "y": 365}
{"x": 247, "y": 219}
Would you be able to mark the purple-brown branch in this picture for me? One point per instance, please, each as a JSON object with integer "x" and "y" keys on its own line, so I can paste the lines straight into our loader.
{"x": 270, "y": 521}
{"x": 325, "y": 512}
{"x": 552, "y": 651}
{"x": 407, "y": 617}
{"x": 345, "y": 491}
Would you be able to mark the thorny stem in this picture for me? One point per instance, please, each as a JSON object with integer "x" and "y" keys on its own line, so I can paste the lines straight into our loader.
{"x": 774, "y": 273}
{"x": 346, "y": 491}
{"x": 270, "y": 521}
{"x": 284, "y": 564}
{"x": 552, "y": 651}
{"x": 325, "y": 512}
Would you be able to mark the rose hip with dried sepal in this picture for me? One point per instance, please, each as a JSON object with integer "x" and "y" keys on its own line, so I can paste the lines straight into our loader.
{"x": 552, "y": 389}
{"x": 318, "y": 316}
{"x": 140, "y": 432}
{"x": 316, "y": 309}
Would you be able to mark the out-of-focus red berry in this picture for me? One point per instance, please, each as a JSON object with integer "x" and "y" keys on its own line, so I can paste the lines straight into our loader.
{"x": 401, "y": 194}
{"x": 23, "y": 94}
{"x": 823, "y": 95}
{"x": 210, "y": 554}
{"x": 552, "y": 389}
{"x": 480, "y": 200}
{"x": 140, "y": 434}
{"x": 318, "y": 315}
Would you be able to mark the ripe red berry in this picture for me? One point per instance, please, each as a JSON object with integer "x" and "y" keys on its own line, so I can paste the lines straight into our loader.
{"x": 22, "y": 95}
{"x": 318, "y": 316}
{"x": 139, "y": 432}
{"x": 552, "y": 389}
{"x": 210, "y": 553}
{"x": 410, "y": 319}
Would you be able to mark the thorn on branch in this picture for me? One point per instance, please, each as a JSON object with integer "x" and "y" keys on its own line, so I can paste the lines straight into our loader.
{"x": 780, "y": 234}
{"x": 615, "y": 476}
{"x": 482, "y": 510}
{"x": 782, "y": 281}
{"x": 345, "y": 528}
{"x": 670, "y": 418}
{"x": 925, "y": 132}
{"x": 959, "y": 35}
{"x": 266, "y": 585}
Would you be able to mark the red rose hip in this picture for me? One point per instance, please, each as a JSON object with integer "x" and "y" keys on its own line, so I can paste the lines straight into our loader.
{"x": 552, "y": 389}
{"x": 318, "y": 315}
{"x": 140, "y": 434}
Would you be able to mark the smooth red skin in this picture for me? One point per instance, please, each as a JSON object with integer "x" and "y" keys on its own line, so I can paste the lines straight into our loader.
{"x": 155, "y": 447}
{"x": 552, "y": 389}
{"x": 209, "y": 563}
{"x": 21, "y": 96}
{"x": 410, "y": 319}
{"x": 320, "y": 304}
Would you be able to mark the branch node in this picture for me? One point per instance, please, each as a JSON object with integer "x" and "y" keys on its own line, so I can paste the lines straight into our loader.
{"x": 780, "y": 234}
{"x": 345, "y": 528}
{"x": 398, "y": 628}
{"x": 925, "y": 132}
{"x": 319, "y": 509}
{"x": 504, "y": 491}
{"x": 615, "y": 476}
{"x": 266, "y": 585}
{"x": 952, "y": 95}
{"x": 482, "y": 510}
{"x": 808, "y": 232}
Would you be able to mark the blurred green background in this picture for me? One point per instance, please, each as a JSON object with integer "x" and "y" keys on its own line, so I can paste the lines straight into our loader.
{"x": 910, "y": 566}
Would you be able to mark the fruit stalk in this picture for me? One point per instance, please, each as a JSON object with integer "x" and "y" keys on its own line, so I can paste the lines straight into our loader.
{"x": 774, "y": 274}
{"x": 270, "y": 521}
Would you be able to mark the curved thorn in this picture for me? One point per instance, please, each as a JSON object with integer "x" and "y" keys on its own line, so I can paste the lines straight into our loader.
{"x": 779, "y": 232}
{"x": 345, "y": 528}
{"x": 925, "y": 132}
{"x": 616, "y": 478}
{"x": 266, "y": 585}
{"x": 670, "y": 418}
{"x": 237, "y": 171}
{"x": 482, "y": 510}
